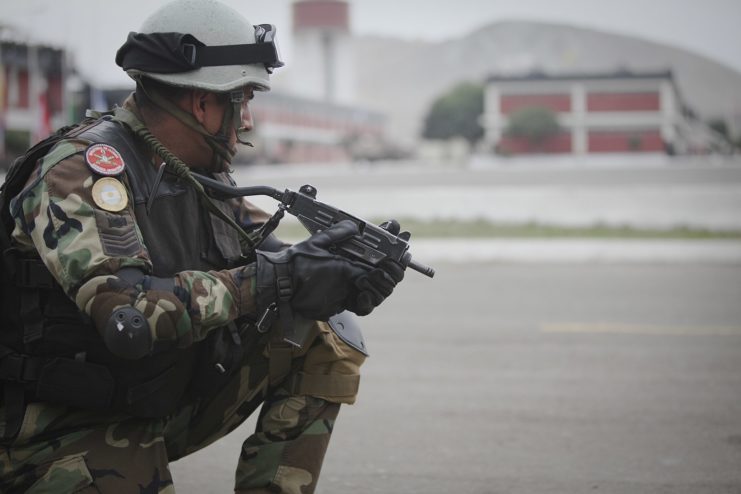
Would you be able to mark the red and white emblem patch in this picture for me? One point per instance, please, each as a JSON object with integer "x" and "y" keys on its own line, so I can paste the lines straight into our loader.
{"x": 104, "y": 159}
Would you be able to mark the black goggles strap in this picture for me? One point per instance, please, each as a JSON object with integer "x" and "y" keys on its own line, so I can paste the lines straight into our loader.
{"x": 169, "y": 53}
{"x": 210, "y": 56}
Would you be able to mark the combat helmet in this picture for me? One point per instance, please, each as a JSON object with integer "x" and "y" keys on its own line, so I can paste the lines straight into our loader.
{"x": 206, "y": 45}
{"x": 201, "y": 44}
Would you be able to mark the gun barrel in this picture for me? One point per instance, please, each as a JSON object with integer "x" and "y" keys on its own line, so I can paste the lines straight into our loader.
{"x": 421, "y": 268}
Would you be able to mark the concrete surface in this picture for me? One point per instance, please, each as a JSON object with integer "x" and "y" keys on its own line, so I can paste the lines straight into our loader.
{"x": 538, "y": 378}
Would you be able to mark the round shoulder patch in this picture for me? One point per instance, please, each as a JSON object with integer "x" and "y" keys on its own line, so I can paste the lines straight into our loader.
{"x": 104, "y": 160}
{"x": 110, "y": 194}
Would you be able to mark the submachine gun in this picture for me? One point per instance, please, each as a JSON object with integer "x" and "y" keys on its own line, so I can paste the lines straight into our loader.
{"x": 371, "y": 245}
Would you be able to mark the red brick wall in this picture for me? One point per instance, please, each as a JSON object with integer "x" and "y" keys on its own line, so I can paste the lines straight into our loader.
{"x": 625, "y": 141}
{"x": 560, "y": 143}
{"x": 623, "y": 102}
{"x": 556, "y": 102}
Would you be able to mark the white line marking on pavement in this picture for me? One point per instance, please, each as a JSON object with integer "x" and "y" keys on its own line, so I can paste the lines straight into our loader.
{"x": 645, "y": 329}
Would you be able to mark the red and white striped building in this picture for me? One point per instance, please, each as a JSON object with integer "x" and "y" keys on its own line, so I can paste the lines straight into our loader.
{"x": 293, "y": 129}
{"x": 618, "y": 112}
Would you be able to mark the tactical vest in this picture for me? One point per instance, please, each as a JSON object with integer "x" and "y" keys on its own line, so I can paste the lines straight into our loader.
{"x": 49, "y": 350}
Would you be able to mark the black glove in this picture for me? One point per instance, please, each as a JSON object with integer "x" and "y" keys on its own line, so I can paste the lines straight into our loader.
{"x": 315, "y": 282}
{"x": 378, "y": 284}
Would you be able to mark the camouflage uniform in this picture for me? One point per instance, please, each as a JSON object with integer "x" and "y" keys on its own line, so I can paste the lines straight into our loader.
{"x": 66, "y": 449}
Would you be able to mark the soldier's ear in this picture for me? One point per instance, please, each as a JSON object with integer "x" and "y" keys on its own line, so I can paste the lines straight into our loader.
{"x": 199, "y": 102}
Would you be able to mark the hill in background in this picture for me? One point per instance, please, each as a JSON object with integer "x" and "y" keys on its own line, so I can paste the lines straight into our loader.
{"x": 402, "y": 78}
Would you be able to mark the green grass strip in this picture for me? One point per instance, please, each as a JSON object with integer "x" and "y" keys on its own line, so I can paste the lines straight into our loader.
{"x": 486, "y": 229}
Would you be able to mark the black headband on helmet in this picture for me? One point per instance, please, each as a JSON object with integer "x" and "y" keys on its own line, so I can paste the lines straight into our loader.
{"x": 170, "y": 53}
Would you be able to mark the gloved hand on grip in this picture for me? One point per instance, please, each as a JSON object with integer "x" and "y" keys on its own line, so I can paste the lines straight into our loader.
{"x": 378, "y": 284}
{"x": 374, "y": 287}
{"x": 316, "y": 282}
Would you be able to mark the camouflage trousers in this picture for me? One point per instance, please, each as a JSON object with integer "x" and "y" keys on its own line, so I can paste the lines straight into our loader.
{"x": 61, "y": 450}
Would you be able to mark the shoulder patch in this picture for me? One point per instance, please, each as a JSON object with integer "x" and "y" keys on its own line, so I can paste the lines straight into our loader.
{"x": 104, "y": 160}
{"x": 110, "y": 194}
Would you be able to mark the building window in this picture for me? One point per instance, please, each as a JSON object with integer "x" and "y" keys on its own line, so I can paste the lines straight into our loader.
{"x": 55, "y": 96}
{"x": 617, "y": 102}
{"x": 560, "y": 143}
{"x": 23, "y": 89}
{"x": 559, "y": 103}
{"x": 625, "y": 141}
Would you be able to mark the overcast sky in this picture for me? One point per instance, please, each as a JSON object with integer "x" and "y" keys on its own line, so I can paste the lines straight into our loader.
{"x": 94, "y": 29}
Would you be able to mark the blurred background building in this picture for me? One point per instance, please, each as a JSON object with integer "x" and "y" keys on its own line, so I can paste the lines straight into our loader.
{"x": 322, "y": 38}
{"x": 33, "y": 101}
{"x": 313, "y": 115}
{"x": 348, "y": 97}
{"x": 293, "y": 129}
{"x": 617, "y": 112}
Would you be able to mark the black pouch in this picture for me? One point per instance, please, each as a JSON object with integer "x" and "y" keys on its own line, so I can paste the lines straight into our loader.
{"x": 157, "y": 397}
{"x": 74, "y": 383}
{"x": 220, "y": 358}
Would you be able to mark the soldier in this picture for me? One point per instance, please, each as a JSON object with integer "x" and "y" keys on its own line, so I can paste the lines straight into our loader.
{"x": 140, "y": 323}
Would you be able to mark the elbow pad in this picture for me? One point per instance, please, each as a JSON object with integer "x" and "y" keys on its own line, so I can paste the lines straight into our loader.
{"x": 127, "y": 334}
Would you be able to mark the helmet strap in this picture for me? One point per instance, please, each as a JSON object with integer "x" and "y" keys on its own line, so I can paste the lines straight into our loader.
{"x": 222, "y": 153}
{"x": 248, "y": 240}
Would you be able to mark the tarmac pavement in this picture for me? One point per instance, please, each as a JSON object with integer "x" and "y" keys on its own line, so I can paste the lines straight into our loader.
{"x": 531, "y": 378}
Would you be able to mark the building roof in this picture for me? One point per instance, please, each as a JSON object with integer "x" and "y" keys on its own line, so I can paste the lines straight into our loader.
{"x": 618, "y": 74}
{"x": 10, "y": 34}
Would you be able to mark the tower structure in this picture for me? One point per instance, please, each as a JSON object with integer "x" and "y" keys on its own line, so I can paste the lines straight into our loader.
{"x": 322, "y": 63}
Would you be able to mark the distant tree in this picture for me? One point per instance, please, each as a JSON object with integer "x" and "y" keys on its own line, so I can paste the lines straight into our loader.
{"x": 721, "y": 127}
{"x": 456, "y": 114}
{"x": 635, "y": 142}
{"x": 689, "y": 113}
{"x": 534, "y": 123}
